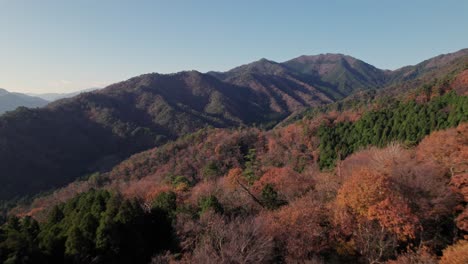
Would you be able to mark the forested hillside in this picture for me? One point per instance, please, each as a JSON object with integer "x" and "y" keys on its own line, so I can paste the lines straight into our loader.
{"x": 186, "y": 168}
{"x": 94, "y": 227}
{"x": 94, "y": 131}
{"x": 406, "y": 122}
{"x": 386, "y": 184}
{"x": 234, "y": 132}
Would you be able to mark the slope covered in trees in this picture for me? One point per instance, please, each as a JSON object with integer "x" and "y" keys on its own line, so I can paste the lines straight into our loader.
{"x": 406, "y": 122}
{"x": 240, "y": 195}
{"x": 94, "y": 131}
{"x": 48, "y": 147}
{"x": 246, "y": 195}
{"x": 94, "y": 227}
{"x": 380, "y": 204}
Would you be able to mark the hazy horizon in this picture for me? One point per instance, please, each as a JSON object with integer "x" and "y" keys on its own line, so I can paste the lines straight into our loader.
{"x": 63, "y": 46}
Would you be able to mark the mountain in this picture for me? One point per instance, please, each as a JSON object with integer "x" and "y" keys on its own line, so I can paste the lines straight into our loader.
{"x": 10, "y": 101}
{"x": 434, "y": 67}
{"x": 230, "y": 194}
{"x": 56, "y": 96}
{"x": 344, "y": 73}
{"x": 305, "y": 81}
{"x": 93, "y": 131}
{"x": 48, "y": 147}
{"x": 282, "y": 91}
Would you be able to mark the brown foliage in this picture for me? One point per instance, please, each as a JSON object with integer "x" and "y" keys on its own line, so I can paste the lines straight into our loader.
{"x": 286, "y": 181}
{"x": 456, "y": 254}
{"x": 373, "y": 215}
{"x": 460, "y": 186}
{"x": 239, "y": 194}
{"x": 373, "y": 242}
{"x": 362, "y": 190}
{"x": 217, "y": 240}
{"x": 376, "y": 203}
{"x": 326, "y": 185}
{"x": 448, "y": 148}
{"x": 381, "y": 160}
{"x": 203, "y": 189}
{"x": 462, "y": 222}
{"x": 294, "y": 142}
{"x": 301, "y": 228}
{"x": 460, "y": 84}
{"x": 153, "y": 192}
{"x": 395, "y": 215}
{"x": 421, "y": 256}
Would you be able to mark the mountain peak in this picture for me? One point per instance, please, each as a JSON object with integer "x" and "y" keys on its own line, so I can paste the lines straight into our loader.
{"x": 264, "y": 60}
{"x": 344, "y": 72}
{"x": 322, "y": 62}
{"x": 186, "y": 73}
{"x": 323, "y": 56}
{"x": 262, "y": 67}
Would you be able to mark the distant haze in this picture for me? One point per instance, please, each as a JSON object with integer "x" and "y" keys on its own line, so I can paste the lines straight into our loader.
{"x": 56, "y": 96}
{"x": 10, "y": 101}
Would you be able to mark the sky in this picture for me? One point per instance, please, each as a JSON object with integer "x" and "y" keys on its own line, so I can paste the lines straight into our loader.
{"x": 69, "y": 45}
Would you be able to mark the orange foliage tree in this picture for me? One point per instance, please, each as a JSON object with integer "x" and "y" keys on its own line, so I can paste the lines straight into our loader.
{"x": 301, "y": 229}
{"x": 286, "y": 181}
{"x": 460, "y": 186}
{"x": 456, "y": 254}
{"x": 421, "y": 256}
{"x": 373, "y": 215}
{"x": 449, "y": 148}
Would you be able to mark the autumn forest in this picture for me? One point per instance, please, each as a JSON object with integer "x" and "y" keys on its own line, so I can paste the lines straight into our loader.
{"x": 322, "y": 159}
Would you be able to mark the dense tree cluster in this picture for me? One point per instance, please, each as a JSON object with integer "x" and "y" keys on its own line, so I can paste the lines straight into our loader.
{"x": 94, "y": 227}
{"x": 406, "y": 122}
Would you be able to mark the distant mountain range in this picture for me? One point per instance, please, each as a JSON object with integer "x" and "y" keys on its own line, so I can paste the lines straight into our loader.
{"x": 10, "y": 101}
{"x": 56, "y": 96}
{"x": 51, "y": 146}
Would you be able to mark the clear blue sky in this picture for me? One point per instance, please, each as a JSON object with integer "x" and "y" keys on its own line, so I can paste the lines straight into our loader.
{"x": 67, "y": 45}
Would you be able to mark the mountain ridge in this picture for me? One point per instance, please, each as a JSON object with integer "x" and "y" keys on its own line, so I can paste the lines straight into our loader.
{"x": 10, "y": 101}
{"x": 142, "y": 112}
{"x": 56, "y": 96}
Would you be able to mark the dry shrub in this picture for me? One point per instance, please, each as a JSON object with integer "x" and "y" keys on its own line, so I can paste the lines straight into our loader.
{"x": 219, "y": 240}
{"x": 379, "y": 159}
{"x": 456, "y": 254}
{"x": 326, "y": 185}
{"x": 301, "y": 229}
{"x": 421, "y": 256}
